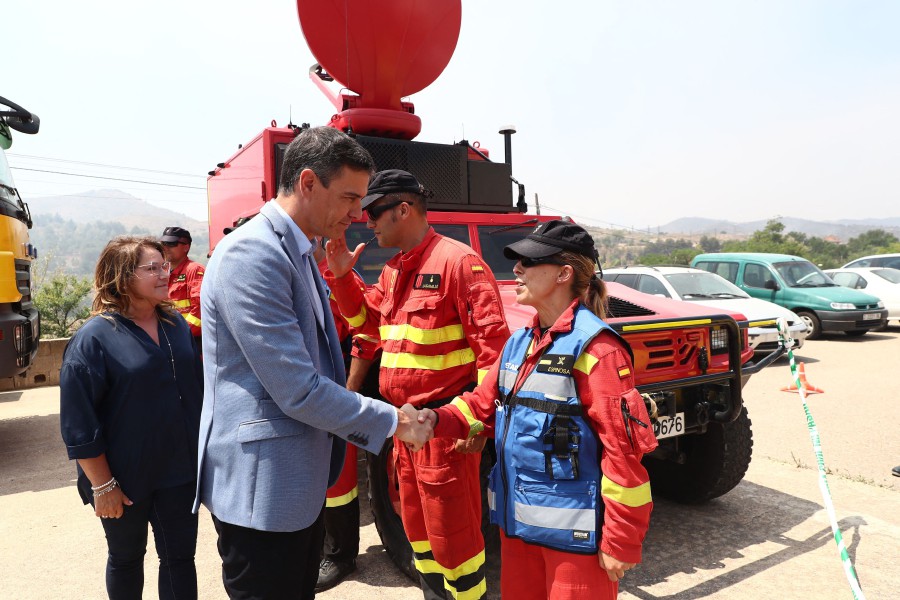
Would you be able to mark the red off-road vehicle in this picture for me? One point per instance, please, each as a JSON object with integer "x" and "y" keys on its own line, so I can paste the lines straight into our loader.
{"x": 690, "y": 362}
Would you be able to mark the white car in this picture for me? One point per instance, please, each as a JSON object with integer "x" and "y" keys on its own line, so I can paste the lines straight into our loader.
{"x": 875, "y": 260}
{"x": 703, "y": 287}
{"x": 881, "y": 282}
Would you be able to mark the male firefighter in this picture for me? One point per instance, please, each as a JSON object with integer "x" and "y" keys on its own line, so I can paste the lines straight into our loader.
{"x": 341, "y": 545}
{"x": 185, "y": 278}
{"x": 436, "y": 310}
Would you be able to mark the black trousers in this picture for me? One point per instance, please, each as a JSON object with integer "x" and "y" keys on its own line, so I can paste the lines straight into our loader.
{"x": 342, "y": 532}
{"x": 168, "y": 511}
{"x": 270, "y": 565}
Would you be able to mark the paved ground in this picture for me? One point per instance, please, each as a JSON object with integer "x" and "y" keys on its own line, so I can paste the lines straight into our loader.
{"x": 769, "y": 538}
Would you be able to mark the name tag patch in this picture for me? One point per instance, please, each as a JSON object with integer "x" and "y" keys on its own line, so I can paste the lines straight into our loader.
{"x": 581, "y": 535}
{"x": 427, "y": 281}
{"x": 559, "y": 364}
{"x": 181, "y": 277}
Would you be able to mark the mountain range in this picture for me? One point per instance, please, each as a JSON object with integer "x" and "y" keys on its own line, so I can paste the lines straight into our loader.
{"x": 843, "y": 229}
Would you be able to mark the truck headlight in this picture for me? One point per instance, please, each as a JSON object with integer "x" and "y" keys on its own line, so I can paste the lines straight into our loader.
{"x": 843, "y": 306}
{"x": 718, "y": 339}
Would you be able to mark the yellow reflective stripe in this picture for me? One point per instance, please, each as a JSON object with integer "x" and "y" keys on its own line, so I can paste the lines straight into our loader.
{"x": 342, "y": 500}
{"x": 585, "y": 363}
{"x": 364, "y": 337}
{"x": 359, "y": 319}
{"x": 474, "y": 592}
{"x": 450, "y": 333}
{"x": 761, "y": 323}
{"x": 421, "y": 547}
{"x": 406, "y": 360}
{"x": 181, "y": 303}
{"x": 191, "y": 319}
{"x": 467, "y": 568}
{"x": 666, "y": 325}
{"x": 481, "y": 374}
{"x": 475, "y": 426}
{"x": 633, "y": 497}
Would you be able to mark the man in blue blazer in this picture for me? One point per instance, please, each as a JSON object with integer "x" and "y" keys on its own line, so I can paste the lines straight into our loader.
{"x": 275, "y": 406}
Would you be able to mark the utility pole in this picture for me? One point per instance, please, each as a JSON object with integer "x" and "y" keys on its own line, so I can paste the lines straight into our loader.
{"x": 537, "y": 204}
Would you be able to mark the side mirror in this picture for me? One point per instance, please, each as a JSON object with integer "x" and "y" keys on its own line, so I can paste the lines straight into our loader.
{"x": 771, "y": 284}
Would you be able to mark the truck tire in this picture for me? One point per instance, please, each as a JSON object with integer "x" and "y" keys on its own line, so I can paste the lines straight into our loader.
{"x": 715, "y": 462}
{"x": 812, "y": 323}
{"x": 384, "y": 501}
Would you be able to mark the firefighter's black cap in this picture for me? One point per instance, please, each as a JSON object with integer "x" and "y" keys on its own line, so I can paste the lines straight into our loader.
{"x": 175, "y": 234}
{"x": 550, "y": 238}
{"x": 393, "y": 181}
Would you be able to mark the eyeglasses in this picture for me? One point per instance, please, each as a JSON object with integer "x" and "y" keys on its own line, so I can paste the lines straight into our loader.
{"x": 375, "y": 212}
{"x": 154, "y": 269}
{"x": 533, "y": 262}
{"x": 171, "y": 244}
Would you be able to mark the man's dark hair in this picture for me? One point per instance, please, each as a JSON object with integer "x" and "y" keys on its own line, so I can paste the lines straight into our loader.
{"x": 325, "y": 151}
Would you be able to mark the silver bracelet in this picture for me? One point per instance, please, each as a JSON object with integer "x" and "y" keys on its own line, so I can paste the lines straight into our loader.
{"x": 112, "y": 485}
{"x": 100, "y": 487}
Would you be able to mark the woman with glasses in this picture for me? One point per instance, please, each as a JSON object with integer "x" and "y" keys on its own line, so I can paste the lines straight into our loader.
{"x": 130, "y": 397}
{"x": 568, "y": 491}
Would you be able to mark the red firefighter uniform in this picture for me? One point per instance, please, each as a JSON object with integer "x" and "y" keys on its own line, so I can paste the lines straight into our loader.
{"x": 184, "y": 291}
{"x": 603, "y": 377}
{"x": 437, "y": 313}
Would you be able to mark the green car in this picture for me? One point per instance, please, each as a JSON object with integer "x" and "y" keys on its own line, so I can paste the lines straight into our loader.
{"x": 800, "y": 286}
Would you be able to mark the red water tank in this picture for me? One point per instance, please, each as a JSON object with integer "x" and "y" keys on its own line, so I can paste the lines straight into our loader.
{"x": 382, "y": 51}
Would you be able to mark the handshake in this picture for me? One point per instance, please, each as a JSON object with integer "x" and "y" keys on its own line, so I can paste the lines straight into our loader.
{"x": 415, "y": 427}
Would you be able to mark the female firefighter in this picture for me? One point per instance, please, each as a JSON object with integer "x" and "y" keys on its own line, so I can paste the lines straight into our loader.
{"x": 568, "y": 490}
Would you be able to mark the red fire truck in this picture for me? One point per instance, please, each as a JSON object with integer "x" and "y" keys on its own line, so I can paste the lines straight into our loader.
{"x": 690, "y": 362}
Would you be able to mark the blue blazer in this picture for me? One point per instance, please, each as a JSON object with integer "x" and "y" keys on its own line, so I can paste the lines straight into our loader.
{"x": 274, "y": 378}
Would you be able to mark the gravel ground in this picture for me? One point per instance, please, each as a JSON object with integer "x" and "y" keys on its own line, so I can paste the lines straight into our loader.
{"x": 768, "y": 538}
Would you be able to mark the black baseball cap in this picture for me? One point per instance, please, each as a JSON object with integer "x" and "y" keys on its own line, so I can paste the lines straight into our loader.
{"x": 175, "y": 234}
{"x": 392, "y": 181}
{"x": 550, "y": 238}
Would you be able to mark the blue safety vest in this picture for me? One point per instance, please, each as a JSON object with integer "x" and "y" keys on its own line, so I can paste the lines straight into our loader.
{"x": 545, "y": 487}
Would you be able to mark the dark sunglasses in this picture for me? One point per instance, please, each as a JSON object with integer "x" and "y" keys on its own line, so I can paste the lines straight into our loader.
{"x": 170, "y": 244}
{"x": 533, "y": 262}
{"x": 375, "y": 212}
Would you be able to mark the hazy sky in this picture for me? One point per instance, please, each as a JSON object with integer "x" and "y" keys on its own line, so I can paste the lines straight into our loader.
{"x": 629, "y": 113}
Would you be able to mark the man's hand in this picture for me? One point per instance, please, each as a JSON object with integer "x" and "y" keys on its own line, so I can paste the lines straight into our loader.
{"x": 615, "y": 569}
{"x": 411, "y": 430}
{"x": 340, "y": 259}
{"x": 472, "y": 445}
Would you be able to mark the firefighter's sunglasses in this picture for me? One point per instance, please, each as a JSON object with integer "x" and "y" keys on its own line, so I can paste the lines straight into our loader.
{"x": 533, "y": 262}
{"x": 375, "y": 212}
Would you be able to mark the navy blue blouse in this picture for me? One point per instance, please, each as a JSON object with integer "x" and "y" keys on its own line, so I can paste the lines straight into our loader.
{"x": 120, "y": 396}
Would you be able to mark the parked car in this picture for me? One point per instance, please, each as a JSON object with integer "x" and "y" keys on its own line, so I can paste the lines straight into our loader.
{"x": 878, "y": 281}
{"x": 708, "y": 289}
{"x": 798, "y": 285}
{"x": 876, "y": 260}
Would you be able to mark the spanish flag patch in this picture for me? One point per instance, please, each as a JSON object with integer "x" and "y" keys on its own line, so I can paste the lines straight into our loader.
{"x": 624, "y": 372}
{"x": 477, "y": 268}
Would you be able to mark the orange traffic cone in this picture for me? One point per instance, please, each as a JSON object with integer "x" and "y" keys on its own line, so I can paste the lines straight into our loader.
{"x": 807, "y": 386}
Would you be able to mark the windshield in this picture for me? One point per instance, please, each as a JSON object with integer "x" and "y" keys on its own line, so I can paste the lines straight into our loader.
{"x": 494, "y": 239}
{"x": 699, "y": 286}
{"x": 892, "y": 275}
{"x": 5, "y": 174}
{"x": 803, "y": 274}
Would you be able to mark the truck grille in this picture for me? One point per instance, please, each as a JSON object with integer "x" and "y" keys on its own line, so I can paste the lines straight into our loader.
{"x": 23, "y": 282}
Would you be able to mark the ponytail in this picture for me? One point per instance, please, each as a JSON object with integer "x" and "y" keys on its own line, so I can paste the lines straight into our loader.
{"x": 586, "y": 286}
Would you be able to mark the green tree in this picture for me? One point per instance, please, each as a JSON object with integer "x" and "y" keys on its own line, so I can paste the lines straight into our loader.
{"x": 62, "y": 302}
{"x": 874, "y": 241}
{"x": 710, "y": 244}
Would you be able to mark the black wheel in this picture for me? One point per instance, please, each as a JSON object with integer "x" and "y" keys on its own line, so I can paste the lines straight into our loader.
{"x": 812, "y": 323}
{"x": 715, "y": 462}
{"x": 384, "y": 500}
{"x": 856, "y": 332}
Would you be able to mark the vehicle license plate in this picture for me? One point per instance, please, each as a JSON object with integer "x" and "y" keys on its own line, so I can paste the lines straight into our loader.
{"x": 871, "y": 316}
{"x": 666, "y": 427}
